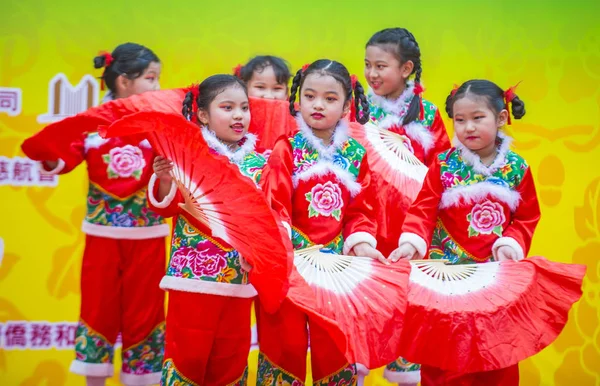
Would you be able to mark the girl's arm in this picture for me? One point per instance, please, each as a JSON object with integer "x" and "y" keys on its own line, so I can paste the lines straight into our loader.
{"x": 61, "y": 163}
{"x": 163, "y": 196}
{"x": 519, "y": 233}
{"x": 421, "y": 218}
{"x": 276, "y": 181}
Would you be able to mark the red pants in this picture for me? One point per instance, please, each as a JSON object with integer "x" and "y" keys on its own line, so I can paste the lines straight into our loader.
{"x": 283, "y": 339}
{"x": 208, "y": 339}
{"x": 120, "y": 293}
{"x": 431, "y": 376}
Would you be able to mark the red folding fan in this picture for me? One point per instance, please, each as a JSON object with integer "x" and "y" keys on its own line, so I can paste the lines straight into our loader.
{"x": 390, "y": 159}
{"x": 56, "y": 139}
{"x": 366, "y": 299}
{"x": 270, "y": 120}
{"x": 481, "y": 317}
{"x": 219, "y": 198}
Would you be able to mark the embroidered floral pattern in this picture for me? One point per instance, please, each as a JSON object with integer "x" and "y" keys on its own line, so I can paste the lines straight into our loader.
{"x": 271, "y": 375}
{"x": 91, "y": 347}
{"x": 325, "y": 200}
{"x": 301, "y": 241}
{"x": 401, "y": 365}
{"x": 124, "y": 162}
{"x": 243, "y": 381}
{"x": 105, "y": 209}
{"x": 172, "y": 377}
{"x": 348, "y": 157}
{"x": 456, "y": 172}
{"x": 443, "y": 246}
{"x": 147, "y": 356}
{"x": 486, "y": 218}
{"x": 252, "y": 166}
{"x": 378, "y": 113}
{"x": 344, "y": 377}
{"x": 195, "y": 255}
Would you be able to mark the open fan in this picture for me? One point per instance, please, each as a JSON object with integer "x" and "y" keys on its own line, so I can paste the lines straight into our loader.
{"x": 488, "y": 316}
{"x": 270, "y": 120}
{"x": 219, "y": 198}
{"x": 366, "y": 299}
{"x": 56, "y": 139}
{"x": 390, "y": 158}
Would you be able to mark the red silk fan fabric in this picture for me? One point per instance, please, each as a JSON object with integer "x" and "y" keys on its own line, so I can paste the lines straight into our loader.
{"x": 386, "y": 183}
{"x": 271, "y": 119}
{"x": 370, "y": 316}
{"x": 515, "y": 316}
{"x": 55, "y": 139}
{"x": 238, "y": 208}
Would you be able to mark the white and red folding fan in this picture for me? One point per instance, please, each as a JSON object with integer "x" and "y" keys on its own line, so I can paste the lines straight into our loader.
{"x": 488, "y": 316}
{"x": 390, "y": 158}
{"x": 271, "y": 119}
{"x": 220, "y": 198}
{"x": 366, "y": 299}
{"x": 56, "y": 139}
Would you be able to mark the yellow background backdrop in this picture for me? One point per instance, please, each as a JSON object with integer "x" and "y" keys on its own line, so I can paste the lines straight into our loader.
{"x": 553, "y": 46}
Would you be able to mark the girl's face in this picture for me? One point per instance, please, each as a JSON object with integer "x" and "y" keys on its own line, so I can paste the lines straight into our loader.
{"x": 264, "y": 84}
{"x": 322, "y": 101}
{"x": 228, "y": 115}
{"x": 148, "y": 81}
{"x": 384, "y": 73}
{"x": 476, "y": 125}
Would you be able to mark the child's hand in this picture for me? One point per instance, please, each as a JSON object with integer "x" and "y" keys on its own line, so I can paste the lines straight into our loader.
{"x": 405, "y": 251}
{"x": 162, "y": 168}
{"x": 505, "y": 253}
{"x": 245, "y": 265}
{"x": 366, "y": 250}
{"x": 50, "y": 165}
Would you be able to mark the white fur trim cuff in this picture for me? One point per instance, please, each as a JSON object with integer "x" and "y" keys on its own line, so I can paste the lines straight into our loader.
{"x": 166, "y": 201}
{"x": 207, "y": 287}
{"x": 140, "y": 379}
{"x": 357, "y": 238}
{"x": 92, "y": 369}
{"x": 362, "y": 370}
{"x": 288, "y": 228}
{"x": 123, "y": 233}
{"x": 416, "y": 241}
{"x": 56, "y": 170}
{"x": 508, "y": 242}
{"x": 402, "y": 377}
{"x": 470, "y": 194}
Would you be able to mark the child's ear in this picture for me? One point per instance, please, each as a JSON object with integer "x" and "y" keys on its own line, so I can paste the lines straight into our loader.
{"x": 347, "y": 107}
{"x": 502, "y": 118}
{"x": 202, "y": 116}
{"x": 407, "y": 68}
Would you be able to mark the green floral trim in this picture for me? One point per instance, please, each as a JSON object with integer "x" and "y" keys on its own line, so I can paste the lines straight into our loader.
{"x": 401, "y": 365}
{"x": 270, "y": 374}
{"x": 92, "y": 347}
{"x": 301, "y": 241}
{"x": 146, "y": 357}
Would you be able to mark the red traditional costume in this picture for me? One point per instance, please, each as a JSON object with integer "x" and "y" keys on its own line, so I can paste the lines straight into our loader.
{"x": 464, "y": 213}
{"x": 210, "y": 297}
{"x": 322, "y": 193}
{"x": 123, "y": 259}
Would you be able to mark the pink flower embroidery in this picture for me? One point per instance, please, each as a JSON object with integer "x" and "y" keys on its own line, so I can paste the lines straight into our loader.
{"x": 447, "y": 179}
{"x": 127, "y": 161}
{"x": 204, "y": 260}
{"x": 486, "y": 218}
{"x": 325, "y": 200}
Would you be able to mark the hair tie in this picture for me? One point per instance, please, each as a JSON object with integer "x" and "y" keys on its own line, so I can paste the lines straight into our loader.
{"x": 418, "y": 89}
{"x": 509, "y": 95}
{"x": 305, "y": 67}
{"x": 108, "y": 59}
{"x": 353, "y": 80}
{"x": 454, "y": 90}
{"x": 237, "y": 71}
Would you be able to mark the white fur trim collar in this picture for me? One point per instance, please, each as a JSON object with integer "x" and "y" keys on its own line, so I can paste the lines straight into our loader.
{"x": 323, "y": 167}
{"x": 340, "y": 135}
{"x": 249, "y": 142}
{"x": 398, "y": 106}
{"x": 470, "y": 194}
{"x": 474, "y": 160}
{"x": 93, "y": 141}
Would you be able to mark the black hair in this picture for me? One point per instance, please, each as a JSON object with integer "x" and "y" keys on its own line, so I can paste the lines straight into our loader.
{"x": 129, "y": 60}
{"x": 402, "y": 44}
{"x": 208, "y": 91}
{"x": 340, "y": 73}
{"x": 491, "y": 92}
{"x": 259, "y": 63}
